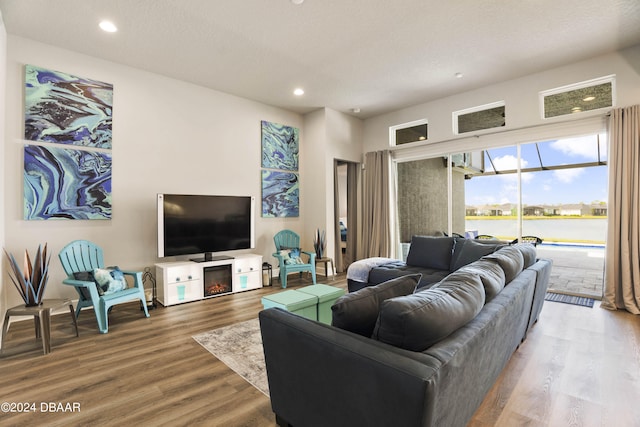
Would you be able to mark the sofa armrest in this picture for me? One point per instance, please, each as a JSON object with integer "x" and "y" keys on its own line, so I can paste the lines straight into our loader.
{"x": 311, "y": 255}
{"x": 543, "y": 272}
{"x": 321, "y": 375}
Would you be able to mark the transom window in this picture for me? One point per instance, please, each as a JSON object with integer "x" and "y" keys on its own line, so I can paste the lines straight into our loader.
{"x": 577, "y": 98}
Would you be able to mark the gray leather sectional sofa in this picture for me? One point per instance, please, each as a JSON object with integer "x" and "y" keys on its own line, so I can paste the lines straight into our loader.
{"x": 396, "y": 356}
{"x": 433, "y": 257}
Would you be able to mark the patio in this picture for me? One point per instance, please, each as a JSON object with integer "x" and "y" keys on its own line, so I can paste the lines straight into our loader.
{"x": 577, "y": 270}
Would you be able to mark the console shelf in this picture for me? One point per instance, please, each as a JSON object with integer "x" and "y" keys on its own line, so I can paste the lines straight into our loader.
{"x": 183, "y": 281}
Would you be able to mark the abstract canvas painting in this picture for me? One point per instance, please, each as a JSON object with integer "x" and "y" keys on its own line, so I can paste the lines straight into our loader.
{"x": 279, "y": 146}
{"x": 64, "y": 183}
{"x": 66, "y": 109}
{"x": 280, "y": 194}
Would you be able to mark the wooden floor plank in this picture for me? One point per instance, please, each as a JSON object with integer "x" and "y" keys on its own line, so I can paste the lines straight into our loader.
{"x": 579, "y": 366}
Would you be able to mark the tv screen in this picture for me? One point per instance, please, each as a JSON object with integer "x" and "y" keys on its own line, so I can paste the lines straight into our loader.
{"x": 195, "y": 224}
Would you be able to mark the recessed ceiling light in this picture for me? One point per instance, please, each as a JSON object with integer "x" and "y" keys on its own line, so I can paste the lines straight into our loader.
{"x": 298, "y": 92}
{"x": 459, "y": 75}
{"x": 108, "y": 26}
{"x": 297, "y": 1}
{"x": 355, "y": 110}
{"x": 589, "y": 98}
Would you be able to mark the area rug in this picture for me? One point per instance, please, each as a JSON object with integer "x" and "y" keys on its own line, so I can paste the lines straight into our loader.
{"x": 569, "y": 299}
{"x": 239, "y": 346}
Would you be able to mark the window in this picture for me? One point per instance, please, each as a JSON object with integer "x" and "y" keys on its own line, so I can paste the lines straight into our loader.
{"x": 487, "y": 116}
{"x": 577, "y": 98}
{"x": 416, "y": 131}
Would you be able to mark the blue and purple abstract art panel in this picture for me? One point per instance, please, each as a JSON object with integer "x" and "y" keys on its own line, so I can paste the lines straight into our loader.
{"x": 279, "y": 146}
{"x": 61, "y": 183}
{"x": 65, "y": 109}
{"x": 280, "y": 194}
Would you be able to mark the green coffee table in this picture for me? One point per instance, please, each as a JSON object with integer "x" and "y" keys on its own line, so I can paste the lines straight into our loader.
{"x": 300, "y": 303}
{"x": 327, "y": 295}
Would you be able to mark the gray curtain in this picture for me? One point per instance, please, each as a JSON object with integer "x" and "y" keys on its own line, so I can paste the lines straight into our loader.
{"x": 622, "y": 262}
{"x": 376, "y": 227}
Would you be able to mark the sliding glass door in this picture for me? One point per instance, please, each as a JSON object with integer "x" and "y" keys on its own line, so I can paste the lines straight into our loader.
{"x": 553, "y": 190}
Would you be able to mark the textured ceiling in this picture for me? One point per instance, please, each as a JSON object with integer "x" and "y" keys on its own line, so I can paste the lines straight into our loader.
{"x": 375, "y": 55}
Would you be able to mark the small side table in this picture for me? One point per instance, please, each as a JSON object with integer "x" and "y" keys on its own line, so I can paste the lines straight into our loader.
{"x": 327, "y": 260}
{"x": 42, "y": 319}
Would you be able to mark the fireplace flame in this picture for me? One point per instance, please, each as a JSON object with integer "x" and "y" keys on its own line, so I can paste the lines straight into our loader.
{"x": 217, "y": 288}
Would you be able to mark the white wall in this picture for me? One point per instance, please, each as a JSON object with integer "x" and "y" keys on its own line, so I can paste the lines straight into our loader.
{"x": 521, "y": 97}
{"x": 3, "y": 158}
{"x": 331, "y": 135}
{"x": 168, "y": 137}
{"x": 314, "y": 182}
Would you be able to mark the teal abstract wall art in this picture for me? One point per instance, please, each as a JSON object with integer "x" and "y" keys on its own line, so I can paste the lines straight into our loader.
{"x": 64, "y": 183}
{"x": 280, "y": 194}
{"x": 65, "y": 109}
{"x": 279, "y": 146}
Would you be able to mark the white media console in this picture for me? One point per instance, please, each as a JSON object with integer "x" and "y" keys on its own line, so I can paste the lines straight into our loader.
{"x": 185, "y": 281}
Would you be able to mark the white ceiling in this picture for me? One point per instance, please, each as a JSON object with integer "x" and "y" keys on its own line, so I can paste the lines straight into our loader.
{"x": 375, "y": 55}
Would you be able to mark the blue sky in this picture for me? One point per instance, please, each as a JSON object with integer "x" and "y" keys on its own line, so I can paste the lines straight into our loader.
{"x": 563, "y": 186}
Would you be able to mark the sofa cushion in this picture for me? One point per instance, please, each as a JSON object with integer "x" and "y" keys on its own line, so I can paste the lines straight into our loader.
{"x": 529, "y": 253}
{"x": 491, "y": 275}
{"x": 510, "y": 259}
{"x": 430, "y": 252}
{"x": 357, "y": 311}
{"x": 394, "y": 269}
{"x": 465, "y": 251}
{"x": 417, "y": 321}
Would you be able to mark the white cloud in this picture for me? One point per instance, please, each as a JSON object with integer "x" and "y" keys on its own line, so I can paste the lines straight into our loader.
{"x": 585, "y": 146}
{"x": 509, "y": 162}
{"x": 567, "y": 176}
{"x": 527, "y": 177}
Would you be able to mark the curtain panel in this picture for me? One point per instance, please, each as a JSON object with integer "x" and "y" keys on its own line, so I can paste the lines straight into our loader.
{"x": 376, "y": 218}
{"x": 622, "y": 265}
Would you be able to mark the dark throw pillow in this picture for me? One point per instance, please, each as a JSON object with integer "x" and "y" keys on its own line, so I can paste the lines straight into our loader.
{"x": 85, "y": 276}
{"x": 358, "y": 311}
{"x": 491, "y": 275}
{"x": 467, "y": 251}
{"x": 511, "y": 261}
{"x": 430, "y": 252}
{"x": 529, "y": 253}
{"x": 415, "y": 322}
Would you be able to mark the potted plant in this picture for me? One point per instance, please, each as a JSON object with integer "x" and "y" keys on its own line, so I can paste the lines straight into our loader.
{"x": 32, "y": 279}
{"x": 319, "y": 243}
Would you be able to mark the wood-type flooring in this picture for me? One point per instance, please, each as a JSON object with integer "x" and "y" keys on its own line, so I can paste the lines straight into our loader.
{"x": 578, "y": 367}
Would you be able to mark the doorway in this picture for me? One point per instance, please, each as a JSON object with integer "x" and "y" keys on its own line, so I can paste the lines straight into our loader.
{"x": 346, "y": 181}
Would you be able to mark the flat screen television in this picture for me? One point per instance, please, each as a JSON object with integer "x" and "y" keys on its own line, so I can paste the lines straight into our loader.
{"x": 204, "y": 224}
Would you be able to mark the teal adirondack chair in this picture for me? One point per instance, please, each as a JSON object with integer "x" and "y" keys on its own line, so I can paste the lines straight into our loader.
{"x": 83, "y": 256}
{"x": 287, "y": 239}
